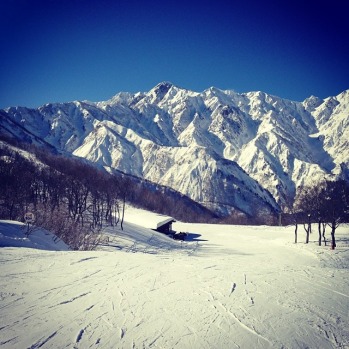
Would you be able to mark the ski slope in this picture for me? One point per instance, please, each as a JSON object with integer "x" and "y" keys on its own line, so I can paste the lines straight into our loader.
{"x": 226, "y": 287}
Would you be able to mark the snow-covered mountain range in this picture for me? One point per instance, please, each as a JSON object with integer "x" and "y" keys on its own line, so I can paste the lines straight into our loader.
{"x": 223, "y": 149}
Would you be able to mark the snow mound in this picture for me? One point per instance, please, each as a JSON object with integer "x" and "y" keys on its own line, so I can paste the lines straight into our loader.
{"x": 13, "y": 234}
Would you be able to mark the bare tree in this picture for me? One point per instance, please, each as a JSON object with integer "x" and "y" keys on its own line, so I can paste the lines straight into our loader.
{"x": 336, "y": 205}
{"x": 327, "y": 203}
{"x": 323, "y": 232}
{"x": 123, "y": 189}
{"x": 291, "y": 216}
{"x": 304, "y": 207}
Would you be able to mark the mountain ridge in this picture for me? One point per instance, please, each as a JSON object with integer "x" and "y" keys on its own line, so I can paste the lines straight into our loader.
{"x": 222, "y": 149}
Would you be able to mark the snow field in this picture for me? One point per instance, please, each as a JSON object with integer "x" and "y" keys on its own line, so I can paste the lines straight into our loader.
{"x": 227, "y": 287}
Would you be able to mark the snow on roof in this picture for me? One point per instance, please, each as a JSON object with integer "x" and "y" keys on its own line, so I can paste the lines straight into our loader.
{"x": 146, "y": 219}
{"x": 168, "y": 220}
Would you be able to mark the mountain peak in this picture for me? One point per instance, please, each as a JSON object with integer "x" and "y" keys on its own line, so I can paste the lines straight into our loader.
{"x": 312, "y": 102}
{"x": 159, "y": 91}
{"x": 164, "y": 84}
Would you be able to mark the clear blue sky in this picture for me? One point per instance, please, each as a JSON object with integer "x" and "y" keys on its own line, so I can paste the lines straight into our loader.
{"x": 58, "y": 51}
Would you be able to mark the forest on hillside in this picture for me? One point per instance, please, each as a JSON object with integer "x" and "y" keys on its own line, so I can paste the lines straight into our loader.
{"x": 74, "y": 199}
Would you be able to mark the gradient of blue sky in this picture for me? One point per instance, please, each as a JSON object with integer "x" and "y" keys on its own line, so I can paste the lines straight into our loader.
{"x": 57, "y": 50}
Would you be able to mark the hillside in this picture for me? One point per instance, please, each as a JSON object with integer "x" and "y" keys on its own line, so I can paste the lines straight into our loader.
{"x": 222, "y": 149}
{"x": 74, "y": 198}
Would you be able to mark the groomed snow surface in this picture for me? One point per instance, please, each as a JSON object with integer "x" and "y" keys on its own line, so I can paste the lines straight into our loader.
{"x": 226, "y": 287}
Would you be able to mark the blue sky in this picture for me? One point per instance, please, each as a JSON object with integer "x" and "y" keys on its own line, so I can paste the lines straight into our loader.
{"x": 58, "y": 51}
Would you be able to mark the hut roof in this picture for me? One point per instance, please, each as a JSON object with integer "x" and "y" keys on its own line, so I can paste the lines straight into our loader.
{"x": 168, "y": 220}
{"x": 147, "y": 219}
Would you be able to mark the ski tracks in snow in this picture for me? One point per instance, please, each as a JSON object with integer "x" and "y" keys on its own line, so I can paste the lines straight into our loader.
{"x": 232, "y": 313}
{"x": 208, "y": 300}
{"x": 62, "y": 301}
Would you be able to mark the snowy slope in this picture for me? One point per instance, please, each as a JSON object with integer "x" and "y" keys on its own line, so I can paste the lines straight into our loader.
{"x": 14, "y": 234}
{"x": 206, "y": 145}
{"x": 231, "y": 286}
{"x": 333, "y": 124}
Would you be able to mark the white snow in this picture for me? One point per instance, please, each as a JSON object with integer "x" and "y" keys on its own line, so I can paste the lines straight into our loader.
{"x": 14, "y": 234}
{"x": 226, "y": 287}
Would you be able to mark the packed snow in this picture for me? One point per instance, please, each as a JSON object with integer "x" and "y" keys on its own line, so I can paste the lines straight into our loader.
{"x": 224, "y": 287}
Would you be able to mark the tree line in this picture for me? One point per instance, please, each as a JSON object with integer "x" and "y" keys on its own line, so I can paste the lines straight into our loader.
{"x": 68, "y": 197}
{"x": 325, "y": 204}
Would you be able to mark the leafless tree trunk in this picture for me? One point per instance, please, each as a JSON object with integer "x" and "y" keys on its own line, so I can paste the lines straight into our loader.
{"x": 307, "y": 228}
{"x": 333, "y": 238}
{"x": 123, "y": 211}
{"x": 323, "y": 233}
